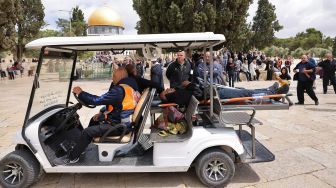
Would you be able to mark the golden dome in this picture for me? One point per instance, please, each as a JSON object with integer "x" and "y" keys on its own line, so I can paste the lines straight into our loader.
{"x": 105, "y": 16}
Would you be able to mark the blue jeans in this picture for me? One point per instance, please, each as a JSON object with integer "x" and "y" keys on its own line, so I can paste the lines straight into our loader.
{"x": 228, "y": 92}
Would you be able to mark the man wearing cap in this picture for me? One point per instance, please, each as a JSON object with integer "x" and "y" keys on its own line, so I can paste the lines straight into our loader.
{"x": 179, "y": 71}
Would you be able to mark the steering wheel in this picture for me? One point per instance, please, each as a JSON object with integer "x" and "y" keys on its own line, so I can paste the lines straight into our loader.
{"x": 82, "y": 103}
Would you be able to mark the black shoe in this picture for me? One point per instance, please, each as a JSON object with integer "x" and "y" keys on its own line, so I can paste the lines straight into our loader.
{"x": 299, "y": 103}
{"x": 64, "y": 161}
{"x": 325, "y": 92}
{"x": 317, "y": 102}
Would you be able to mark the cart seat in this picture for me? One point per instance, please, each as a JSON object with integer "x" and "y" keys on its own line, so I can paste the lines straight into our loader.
{"x": 135, "y": 121}
{"x": 192, "y": 107}
{"x": 125, "y": 139}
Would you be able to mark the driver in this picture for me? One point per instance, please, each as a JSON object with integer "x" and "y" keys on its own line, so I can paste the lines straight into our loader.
{"x": 121, "y": 100}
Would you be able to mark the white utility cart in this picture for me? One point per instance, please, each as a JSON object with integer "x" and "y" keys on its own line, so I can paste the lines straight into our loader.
{"x": 211, "y": 144}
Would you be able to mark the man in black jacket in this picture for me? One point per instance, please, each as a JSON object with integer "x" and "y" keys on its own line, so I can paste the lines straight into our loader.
{"x": 329, "y": 66}
{"x": 306, "y": 77}
{"x": 179, "y": 71}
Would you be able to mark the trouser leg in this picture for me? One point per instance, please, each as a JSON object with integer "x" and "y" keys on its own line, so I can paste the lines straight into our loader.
{"x": 91, "y": 132}
{"x": 325, "y": 82}
{"x": 249, "y": 75}
{"x": 310, "y": 90}
{"x": 333, "y": 82}
{"x": 300, "y": 92}
{"x": 87, "y": 135}
{"x": 257, "y": 74}
{"x": 231, "y": 80}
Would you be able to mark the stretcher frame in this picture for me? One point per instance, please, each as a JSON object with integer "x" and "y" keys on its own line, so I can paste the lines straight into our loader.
{"x": 283, "y": 104}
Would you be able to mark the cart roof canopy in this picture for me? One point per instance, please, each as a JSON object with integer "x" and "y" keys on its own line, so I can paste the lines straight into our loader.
{"x": 130, "y": 42}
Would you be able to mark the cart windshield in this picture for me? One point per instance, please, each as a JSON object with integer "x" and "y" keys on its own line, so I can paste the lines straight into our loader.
{"x": 53, "y": 81}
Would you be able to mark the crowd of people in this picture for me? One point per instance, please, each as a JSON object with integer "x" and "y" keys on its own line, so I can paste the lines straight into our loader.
{"x": 230, "y": 67}
{"x": 186, "y": 79}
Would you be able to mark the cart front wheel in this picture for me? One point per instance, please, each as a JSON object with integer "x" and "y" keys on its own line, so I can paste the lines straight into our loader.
{"x": 215, "y": 168}
{"x": 18, "y": 169}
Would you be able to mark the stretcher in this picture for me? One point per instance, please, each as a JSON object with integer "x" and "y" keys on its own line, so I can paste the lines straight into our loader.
{"x": 267, "y": 102}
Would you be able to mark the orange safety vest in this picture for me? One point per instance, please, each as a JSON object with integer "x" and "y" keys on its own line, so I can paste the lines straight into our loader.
{"x": 130, "y": 100}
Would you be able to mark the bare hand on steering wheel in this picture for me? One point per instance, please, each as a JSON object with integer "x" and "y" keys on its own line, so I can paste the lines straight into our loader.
{"x": 76, "y": 91}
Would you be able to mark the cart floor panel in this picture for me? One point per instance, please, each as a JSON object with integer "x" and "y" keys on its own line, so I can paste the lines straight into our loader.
{"x": 262, "y": 153}
{"x": 90, "y": 158}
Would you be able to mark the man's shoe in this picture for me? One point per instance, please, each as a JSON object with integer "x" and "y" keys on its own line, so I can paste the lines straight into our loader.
{"x": 299, "y": 103}
{"x": 64, "y": 160}
{"x": 325, "y": 92}
{"x": 317, "y": 102}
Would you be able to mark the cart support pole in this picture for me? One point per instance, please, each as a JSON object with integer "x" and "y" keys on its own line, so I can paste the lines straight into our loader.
{"x": 211, "y": 81}
{"x": 253, "y": 141}
{"x": 204, "y": 76}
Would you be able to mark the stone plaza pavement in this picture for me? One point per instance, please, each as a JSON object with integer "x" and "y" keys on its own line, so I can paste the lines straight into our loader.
{"x": 302, "y": 138}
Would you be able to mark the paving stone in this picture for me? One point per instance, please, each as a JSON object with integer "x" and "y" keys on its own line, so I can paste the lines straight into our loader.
{"x": 287, "y": 163}
{"x": 277, "y": 144}
{"x": 304, "y": 140}
{"x": 104, "y": 180}
{"x": 66, "y": 181}
{"x": 327, "y": 147}
{"x": 154, "y": 180}
{"x": 49, "y": 180}
{"x": 327, "y": 160}
{"x": 190, "y": 179}
{"x": 272, "y": 132}
{"x": 306, "y": 181}
{"x": 327, "y": 175}
{"x": 245, "y": 176}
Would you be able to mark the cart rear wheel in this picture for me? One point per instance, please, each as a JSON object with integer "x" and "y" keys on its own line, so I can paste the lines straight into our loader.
{"x": 18, "y": 169}
{"x": 215, "y": 168}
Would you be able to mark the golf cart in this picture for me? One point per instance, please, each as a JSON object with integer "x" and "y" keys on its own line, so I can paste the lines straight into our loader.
{"x": 211, "y": 143}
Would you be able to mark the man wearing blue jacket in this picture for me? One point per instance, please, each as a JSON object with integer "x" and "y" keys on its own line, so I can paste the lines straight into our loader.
{"x": 120, "y": 101}
{"x": 204, "y": 68}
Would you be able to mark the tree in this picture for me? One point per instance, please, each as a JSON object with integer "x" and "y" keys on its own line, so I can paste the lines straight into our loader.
{"x": 8, "y": 18}
{"x": 298, "y": 52}
{"x": 64, "y": 25}
{"x": 274, "y": 51}
{"x": 29, "y": 23}
{"x": 265, "y": 24}
{"x": 78, "y": 23}
{"x": 310, "y": 38}
{"x": 172, "y": 16}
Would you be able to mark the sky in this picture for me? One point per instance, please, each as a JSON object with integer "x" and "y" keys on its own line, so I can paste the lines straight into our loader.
{"x": 295, "y": 15}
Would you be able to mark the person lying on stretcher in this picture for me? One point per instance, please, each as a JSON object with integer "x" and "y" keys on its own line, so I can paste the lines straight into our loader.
{"x": 182, "y": 96}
